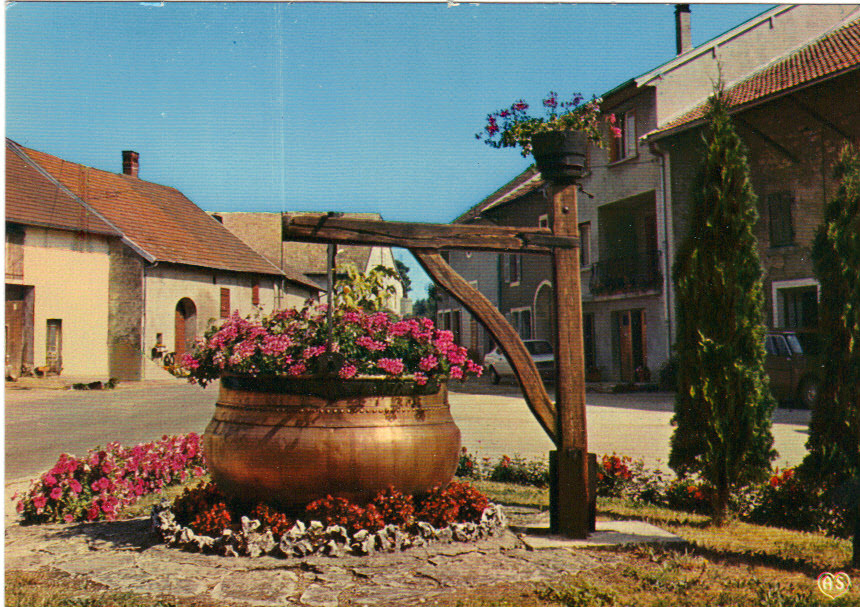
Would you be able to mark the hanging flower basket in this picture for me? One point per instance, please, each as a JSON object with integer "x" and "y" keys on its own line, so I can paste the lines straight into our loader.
{"x": 560, "y": 155}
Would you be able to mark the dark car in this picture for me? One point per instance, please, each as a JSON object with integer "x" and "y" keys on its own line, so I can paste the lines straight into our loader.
{"x": 793, "y": 364}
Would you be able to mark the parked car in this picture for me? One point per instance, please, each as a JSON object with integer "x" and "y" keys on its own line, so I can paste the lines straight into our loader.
{"x": 541, "y": 351}
{"x": 794, "y": 366}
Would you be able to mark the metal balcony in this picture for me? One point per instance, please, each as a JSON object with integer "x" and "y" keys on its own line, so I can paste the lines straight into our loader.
{"x": 626, "y": 274}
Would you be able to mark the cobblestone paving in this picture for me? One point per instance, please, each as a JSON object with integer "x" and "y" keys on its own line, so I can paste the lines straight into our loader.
{"x": 124, "y": 556}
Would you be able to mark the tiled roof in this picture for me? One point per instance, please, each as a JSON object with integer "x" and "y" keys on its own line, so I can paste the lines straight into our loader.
{"x": 157, "y": 219}
{"x": 312, "y": 258}
{"x": 527, "y": 181}
{"x": 32, "y": 198}
{"x": 830, "y": 55}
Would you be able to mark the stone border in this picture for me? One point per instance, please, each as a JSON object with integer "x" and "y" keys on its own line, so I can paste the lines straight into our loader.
{"x": 316, "y": 539}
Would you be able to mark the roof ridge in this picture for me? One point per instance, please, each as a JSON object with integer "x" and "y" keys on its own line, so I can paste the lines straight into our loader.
{"x": 19, "y": 151}
{"x": 499, "y": 193}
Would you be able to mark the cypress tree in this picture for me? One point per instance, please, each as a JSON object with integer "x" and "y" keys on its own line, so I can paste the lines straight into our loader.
{"x": 834, "y": 427}
{"x": 723, "y": 405}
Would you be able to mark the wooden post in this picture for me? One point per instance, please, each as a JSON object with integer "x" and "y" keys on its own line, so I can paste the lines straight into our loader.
{"x": 571, "y": 461}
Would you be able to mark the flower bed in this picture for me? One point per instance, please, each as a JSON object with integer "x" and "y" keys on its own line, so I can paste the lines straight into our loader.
{"x": 202, "y": 520}
{"x": 98, "y": 485}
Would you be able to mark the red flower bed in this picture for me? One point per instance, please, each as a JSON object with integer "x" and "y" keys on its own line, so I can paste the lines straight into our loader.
{"x": 205, "y": 510}
{"x": 98, "y": 485}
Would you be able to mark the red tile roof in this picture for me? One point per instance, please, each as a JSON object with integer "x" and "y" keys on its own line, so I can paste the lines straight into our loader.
{"x": 519, "y": 186}
{"x": 32, "y": 198}
{"x": 156, "y": 219}
{"x": 830, "y": 55}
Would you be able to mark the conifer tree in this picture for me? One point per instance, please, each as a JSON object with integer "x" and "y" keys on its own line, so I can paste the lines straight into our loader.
{"x": 834, "y": 427}
{"x": 723, "y": 406}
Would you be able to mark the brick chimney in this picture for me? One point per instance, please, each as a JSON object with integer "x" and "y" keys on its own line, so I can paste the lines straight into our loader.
{"x": 683, "y": 36}
{"x": 130, "y": 163}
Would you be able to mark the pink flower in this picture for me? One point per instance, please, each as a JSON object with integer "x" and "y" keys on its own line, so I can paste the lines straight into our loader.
{"x": 50, "y": 480}
{"x": 370, "y": 343}
{"x": 428, "y": 362}
{"x": 392, "y": 366}
{"x": 456, "y": 372}
{"x": 39, "y": 501}
{"x": 56, "y": 493}
{"x": 616, "y": 132}
{"x": 297, "y": 369}
{"x": 69, "y": 518}
{"x": 347, "y": 371}
{"x": 420, "y": 379}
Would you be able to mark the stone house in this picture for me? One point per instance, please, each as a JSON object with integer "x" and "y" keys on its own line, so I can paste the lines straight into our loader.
{"x": 623, "y": 217}
{"x": 262, "y": 232}
{"x": 794, "y": 117}
{"x": 106, "y": 272}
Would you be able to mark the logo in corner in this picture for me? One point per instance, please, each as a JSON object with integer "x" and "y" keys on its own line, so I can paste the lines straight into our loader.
{"x": 834, "y": 585}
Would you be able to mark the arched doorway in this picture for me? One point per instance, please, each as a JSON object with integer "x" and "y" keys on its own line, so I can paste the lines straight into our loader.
{"x": 185, "y": 327}
{"x": 544, "y": 312}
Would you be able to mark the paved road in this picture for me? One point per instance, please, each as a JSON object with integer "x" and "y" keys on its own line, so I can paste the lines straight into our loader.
{"x": 638, "y": 425}
{"x": 494, "y": 420}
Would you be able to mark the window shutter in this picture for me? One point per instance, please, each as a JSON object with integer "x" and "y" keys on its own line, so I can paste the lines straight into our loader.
{"x": 255, "y": 294}
{"x": 225, "y": 302}
{"x": 629, "y": 134}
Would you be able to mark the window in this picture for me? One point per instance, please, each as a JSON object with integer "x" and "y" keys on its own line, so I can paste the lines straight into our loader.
{"x": 624, "y": 146}
{"x": 449, "y": 320}
{"x": 543, "y": 221}
{"x": 779, "y": 213}
{"x": 585, "y": 244}
{"x": 521, "y": 320}
{"x": 225, "y": 302}
{"x": 512, "y": 265}
{"x": 799, "y": 307}
{"x": 255, "y": 294}
{"x": 588, "y": 341}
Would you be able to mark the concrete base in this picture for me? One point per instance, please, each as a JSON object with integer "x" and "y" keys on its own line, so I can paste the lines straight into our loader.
{"x": 537, "y": 535}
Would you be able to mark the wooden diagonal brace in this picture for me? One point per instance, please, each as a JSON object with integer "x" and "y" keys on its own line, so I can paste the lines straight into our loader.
{"x": 510, "y": 343}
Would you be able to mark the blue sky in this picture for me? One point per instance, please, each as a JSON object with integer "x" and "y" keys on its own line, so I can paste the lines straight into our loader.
{"x": 317, "y": 106}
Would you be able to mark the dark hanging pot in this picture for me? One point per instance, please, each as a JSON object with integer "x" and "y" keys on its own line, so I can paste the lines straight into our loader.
{"x": 560, "y": 155}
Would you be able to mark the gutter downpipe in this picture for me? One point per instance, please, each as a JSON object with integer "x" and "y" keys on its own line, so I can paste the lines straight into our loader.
{"x": 668, "y": 252}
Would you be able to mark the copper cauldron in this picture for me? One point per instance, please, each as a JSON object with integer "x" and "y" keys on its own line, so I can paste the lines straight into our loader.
{"x": 289, "y": 441}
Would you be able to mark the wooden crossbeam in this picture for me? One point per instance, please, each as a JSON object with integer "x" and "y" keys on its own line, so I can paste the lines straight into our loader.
{"x": 322, "y": 227}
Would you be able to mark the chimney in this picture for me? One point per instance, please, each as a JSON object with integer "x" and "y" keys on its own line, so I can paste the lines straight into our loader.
{"x": 683, "y": 37}
{"x": 130, "y": 163}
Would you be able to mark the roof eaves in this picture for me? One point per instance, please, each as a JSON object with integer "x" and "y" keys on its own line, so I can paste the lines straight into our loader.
{"x": 708, "y": 46}
{"x": 131, "y": 244}
{"x": 659, "y": 134}
{"x": 497, "y": 197}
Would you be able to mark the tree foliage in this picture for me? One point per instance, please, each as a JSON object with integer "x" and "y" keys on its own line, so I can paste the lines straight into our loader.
{"x": 834, "y": 428}
{"x": 723, "y": 405}
{"x": 403, "y": 271}
{"x": 371, "y": 291}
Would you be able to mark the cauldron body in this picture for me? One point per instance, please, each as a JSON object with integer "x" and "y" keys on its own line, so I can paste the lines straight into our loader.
{"x": 290, "y": 441}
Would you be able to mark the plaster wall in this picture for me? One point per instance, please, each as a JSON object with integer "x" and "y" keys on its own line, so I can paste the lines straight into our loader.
{"x": 70, "y": 276}
{"x": 166, "y": 285}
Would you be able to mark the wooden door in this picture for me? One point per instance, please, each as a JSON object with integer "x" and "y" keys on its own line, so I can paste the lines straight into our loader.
{"x": 54, "y": 346}
{"x": 14, "y": 336}
{"x": 625, "y": 342}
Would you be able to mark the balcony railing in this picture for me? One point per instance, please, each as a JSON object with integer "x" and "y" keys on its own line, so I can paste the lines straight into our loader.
{"x": 626, "y": 274}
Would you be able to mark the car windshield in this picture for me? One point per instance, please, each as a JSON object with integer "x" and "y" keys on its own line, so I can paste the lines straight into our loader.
{"x": 539, "y": 347}
{"x": 810, "y": 342}
{"x": 794, "y": 344}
